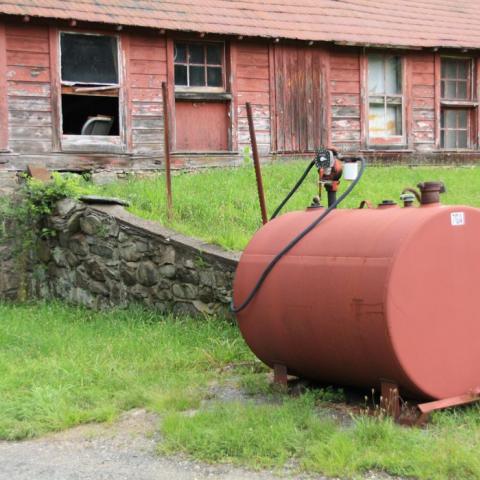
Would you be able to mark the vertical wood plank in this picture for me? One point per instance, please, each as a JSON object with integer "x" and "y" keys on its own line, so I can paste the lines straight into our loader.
{"x": 325, "y": 99}
{"x": 301, "y": 100}
{"x": 171, "y": 94}
{"x": 125, "y": 106}
{"x": 408, "y": 95}
{"x": 232, "y": 61}
{"x": 3, "y": 90}
{"x": 273, "y": 100}
{"x": 287, "y": 112}
{"x": 364, "y": 141}
{"x": 438, "y": 75}
{"x": 54, "y": 51}
{"x": 476, "y": 93}
{"x": 317, "y": 99}
{"x": 310, "y": 144}
{"x": 287, "y": 129}
{"x": 280, "y": 97}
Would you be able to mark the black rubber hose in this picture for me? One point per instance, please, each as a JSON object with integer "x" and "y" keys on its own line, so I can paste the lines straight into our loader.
{"x": 297, "y": 239}
{"x": 293, "y": 190}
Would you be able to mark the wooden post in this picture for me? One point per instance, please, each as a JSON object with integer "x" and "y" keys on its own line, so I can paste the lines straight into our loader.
{"x": 256, "y": 163}
{"x": 166, "y": 136}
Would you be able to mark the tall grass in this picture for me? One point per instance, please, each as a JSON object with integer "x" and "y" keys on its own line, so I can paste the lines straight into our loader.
{"x": 221, "y": 205}
{"x": 62, "y": 366}
{"x": 294, "y": 432}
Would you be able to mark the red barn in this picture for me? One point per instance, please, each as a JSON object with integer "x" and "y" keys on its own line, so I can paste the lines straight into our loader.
{"x": 80, "y": 82}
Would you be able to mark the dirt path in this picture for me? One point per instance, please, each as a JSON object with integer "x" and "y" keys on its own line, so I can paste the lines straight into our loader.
{"x": 123, "y": 451}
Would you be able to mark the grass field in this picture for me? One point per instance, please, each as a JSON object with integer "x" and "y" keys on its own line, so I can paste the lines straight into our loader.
{"x": 61, "y": 366}
{"x": 221, "y": 205}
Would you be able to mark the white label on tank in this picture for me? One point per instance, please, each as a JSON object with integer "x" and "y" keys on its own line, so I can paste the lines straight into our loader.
{"x": 457, "y": 218}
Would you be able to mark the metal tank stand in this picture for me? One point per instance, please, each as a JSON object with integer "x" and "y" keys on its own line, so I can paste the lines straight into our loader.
{"x": 427, "y": 408}
{"x": 280, "y": 376}
{"x": 390, "y": 404}
{"x": 390, "y": 399}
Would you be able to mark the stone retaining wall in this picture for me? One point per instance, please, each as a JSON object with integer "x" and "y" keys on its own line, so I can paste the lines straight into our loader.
{"x": 10, "y": 279}
{"x": 103, "y": 256}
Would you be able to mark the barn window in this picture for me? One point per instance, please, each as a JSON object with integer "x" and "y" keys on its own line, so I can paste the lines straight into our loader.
{"x": 199, "y": 66}
{"x": 385, "y": 98}
{"x": 90, "y": 84}
{"x": 457, "y": 107}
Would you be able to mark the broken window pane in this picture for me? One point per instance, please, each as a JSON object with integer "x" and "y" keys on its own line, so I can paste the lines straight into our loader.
{"x": 77, "y": 110}
{"x": 89, "y": 59}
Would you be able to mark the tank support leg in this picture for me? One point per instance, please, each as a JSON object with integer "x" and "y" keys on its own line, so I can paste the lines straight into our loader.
{"x": 280, "y": 375}
{"x": 390, "y": 399}
{"x": 427, "y": 408}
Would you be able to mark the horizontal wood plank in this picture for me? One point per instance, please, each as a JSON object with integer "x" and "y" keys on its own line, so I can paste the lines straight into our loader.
{"x": 28, "y": 59}
{"x": 28, "y": 74}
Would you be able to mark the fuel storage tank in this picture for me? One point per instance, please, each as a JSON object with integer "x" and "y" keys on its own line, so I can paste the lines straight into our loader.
{"x": 372, "y": 294}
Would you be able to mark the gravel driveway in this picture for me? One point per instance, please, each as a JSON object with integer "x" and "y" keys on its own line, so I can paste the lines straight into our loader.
{"x": 124, "y": 450}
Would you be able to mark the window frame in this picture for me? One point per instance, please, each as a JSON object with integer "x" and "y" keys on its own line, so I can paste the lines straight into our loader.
{"x": 470, "y": 103}
{"x": 392, "y": 140}
{"x": 201, "y": 89}
{"x": 468, "y": 128}
{"x": 91, "y": 143}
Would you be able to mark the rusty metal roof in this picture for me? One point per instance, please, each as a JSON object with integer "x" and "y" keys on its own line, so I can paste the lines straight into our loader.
{"x": 409, "y": 23}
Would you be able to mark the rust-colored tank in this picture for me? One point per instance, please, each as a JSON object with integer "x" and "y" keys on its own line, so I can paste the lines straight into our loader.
{"x": 374, "y": 294}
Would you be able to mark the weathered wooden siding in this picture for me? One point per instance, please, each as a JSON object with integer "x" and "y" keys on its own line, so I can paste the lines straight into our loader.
{"x": 29, "y": 60}
{"x": 423, "y": 100}
{"x": 253, "y": 85}
{"x": 29, "y": 89}
{"x": 146, "y": 70}
{"x": 345, "y": 99}
{"x": 300, "y": 98}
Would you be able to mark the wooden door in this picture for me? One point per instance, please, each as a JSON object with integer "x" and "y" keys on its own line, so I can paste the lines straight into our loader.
{"x": 299, "y": 87}
{"x": 201, "y": 126}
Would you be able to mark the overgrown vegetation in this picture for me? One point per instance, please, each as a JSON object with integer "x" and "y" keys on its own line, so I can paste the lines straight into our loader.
{"x": 62, "y": 366}
{"x": 32, "y": 204}
{"x": 23, "y": 220}
{"x": 221, "y": 205}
